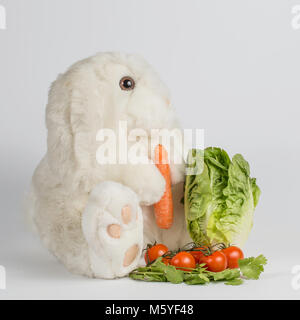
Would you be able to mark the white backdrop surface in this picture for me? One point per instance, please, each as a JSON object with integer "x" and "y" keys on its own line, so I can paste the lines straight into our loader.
{"x": 233, "y": 69}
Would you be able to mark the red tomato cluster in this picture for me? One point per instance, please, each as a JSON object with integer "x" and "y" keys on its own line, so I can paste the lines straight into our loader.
{"x": 219, "y": 260}
{"x": 216, "y": 261}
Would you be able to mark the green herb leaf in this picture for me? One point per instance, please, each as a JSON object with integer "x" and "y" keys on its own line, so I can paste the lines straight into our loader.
{"x": 171, "y": 273}
{"x": 251, "y": 268}
{"x": 195, "y": 278}
{"x": 227, "y": 274}
{"x": 235, "y": 282}
{"x": 149, "y": 276}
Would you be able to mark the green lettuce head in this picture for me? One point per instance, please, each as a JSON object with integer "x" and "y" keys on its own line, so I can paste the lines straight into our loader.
{"x": 219, "y": 197}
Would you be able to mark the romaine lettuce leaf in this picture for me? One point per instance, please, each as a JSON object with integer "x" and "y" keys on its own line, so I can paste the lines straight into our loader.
{"x": 220, "y": 197}
{"x": 197, "y": 196}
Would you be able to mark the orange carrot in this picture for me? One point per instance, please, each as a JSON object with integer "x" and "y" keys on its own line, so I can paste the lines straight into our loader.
{"x": 164, "y": 208}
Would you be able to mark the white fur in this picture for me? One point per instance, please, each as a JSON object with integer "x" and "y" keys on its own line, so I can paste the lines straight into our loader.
{"x": 74, "y": 197}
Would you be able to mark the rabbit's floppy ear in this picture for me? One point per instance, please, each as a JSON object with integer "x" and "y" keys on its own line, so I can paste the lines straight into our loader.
{"x": 73, "y": 116}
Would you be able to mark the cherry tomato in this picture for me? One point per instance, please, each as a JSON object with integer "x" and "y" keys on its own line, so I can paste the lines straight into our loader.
{"x": 216, "y": 262}
{"x": 233, "y": 254}
{"x": 197, "y": 253}
{"x": 183, "y": 260}
{"x": 166, "y": 260}
{"x": 155, "y": 251}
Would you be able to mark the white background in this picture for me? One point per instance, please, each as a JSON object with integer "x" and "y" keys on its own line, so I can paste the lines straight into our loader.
{"x": 233, "y": 68}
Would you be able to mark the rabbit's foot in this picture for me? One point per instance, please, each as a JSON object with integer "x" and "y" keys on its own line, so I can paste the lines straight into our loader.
{"x": 112, "y": 224}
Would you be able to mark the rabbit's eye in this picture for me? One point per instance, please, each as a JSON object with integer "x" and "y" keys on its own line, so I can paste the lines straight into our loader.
{"x": 127, "y": 83}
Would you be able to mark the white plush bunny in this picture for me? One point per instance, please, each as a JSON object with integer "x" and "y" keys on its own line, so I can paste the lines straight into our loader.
{"x": 96, "y": 218}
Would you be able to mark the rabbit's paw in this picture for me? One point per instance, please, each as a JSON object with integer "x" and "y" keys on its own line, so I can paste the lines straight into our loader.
{"x": 112, "y": 224}
{"x": 146, "y": 181}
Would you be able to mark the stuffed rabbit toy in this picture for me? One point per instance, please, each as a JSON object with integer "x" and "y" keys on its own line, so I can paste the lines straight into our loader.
{"x": 96, "y": 218}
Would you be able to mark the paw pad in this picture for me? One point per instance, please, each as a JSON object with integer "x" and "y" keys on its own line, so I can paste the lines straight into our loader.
{"x": 130, "y": 255}
{"x": 114, "y": 230}
{"x": 126, "y": 214}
